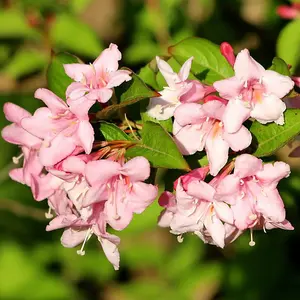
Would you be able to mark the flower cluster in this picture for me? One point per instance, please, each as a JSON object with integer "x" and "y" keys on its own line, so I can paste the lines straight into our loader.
{"x": 90, "y": 184}
{"x": 85, "y": 191}
{"x": 219, "y": 211}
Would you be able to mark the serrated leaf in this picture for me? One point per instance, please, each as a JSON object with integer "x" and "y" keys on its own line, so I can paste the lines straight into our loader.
{"x": 128, "y": 93}
{"x": 288, "y": 43}
{"x": 280, "y": 66}
{"x": 208, "y": 65}
{"x": 270, "y": 137}
{"x": 159, "y": 148}
{"x": 111, "y": 132}
{"x": 57, "y": 79}
{"x": 70, "y": 34}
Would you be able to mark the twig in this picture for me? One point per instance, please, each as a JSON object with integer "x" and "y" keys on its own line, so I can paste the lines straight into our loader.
{"x": 22, "y": 210}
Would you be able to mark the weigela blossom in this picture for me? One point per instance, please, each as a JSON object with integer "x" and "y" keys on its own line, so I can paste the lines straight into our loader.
{"x": 179, "y": 90}
{"x": 60, "y": 130}
{"x": 122, "y": 187}
{"x": 95, "y": 82}
{"x": 89, "y": 186}
{"x": 219, "y": 211}
{"x": 193, "y": 208}
{"x": 253, "y": 92}
{"x": 252, "y": 193}
{"x": 197, "y": 127}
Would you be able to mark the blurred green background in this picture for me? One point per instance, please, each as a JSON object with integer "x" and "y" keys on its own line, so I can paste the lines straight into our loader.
{"x": 33, "y": 264}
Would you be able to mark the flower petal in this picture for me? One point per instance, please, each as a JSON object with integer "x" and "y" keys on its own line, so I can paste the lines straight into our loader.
{"x": 14, "y": 113}
{"x": 270, "y": 109}
{"x": 137, "y": 169}
{"x": 239, "y": 140}
{"x": 217, "y": 152}
{"x": 185, "y": 69}
{"x": 54, "y": 103}
{"x": 78, "y": 72}
{"x": 276, "y": 83}
{"x": 246, "y": 67}
{"x": 235, "y": 114}
{"x": 85, "y": 134}
{"x": 247, "y": 165}
{"x": 101, "y": 171}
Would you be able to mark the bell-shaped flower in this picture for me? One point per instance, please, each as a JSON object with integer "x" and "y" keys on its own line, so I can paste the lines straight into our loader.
{"x": 252, "y": 192}
{"x": 60, "y": 130}
{"x": 196, "y": 210}
{"x": 121, "y": 187}
{"x": 95, "y": 82}
{"x": 253, "y": 92}
{"x": 197, "y": 127}
{"x": 79, "y": 231}
{"x": 179, "y": 90}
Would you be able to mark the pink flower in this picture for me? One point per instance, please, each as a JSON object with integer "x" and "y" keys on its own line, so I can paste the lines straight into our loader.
{"x": 289, "y": 12}
{"x": 253, "y": 92}
{"x": 179, "y": 90}
{"x": 121, "y": 187}
{"x": 60, "y": 130}
{"x": 95, "y": 82}
{"x": 79, "y": 230}
{"x": 196, "y": 210}
{"x": 227, "y": 51}
{"x": 252, "y": 192}
{"x": 29, "y": 143}
{"x": 199, "y": 126}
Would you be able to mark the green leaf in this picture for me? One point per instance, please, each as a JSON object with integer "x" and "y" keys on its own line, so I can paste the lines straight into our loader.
{"x": 111, "y": 132}
{"x": 24, "y": 62}
{"x": 148, "y": 74}
{"x": 128, "y": 93}
{"x": 159, "y": 148}
{"x": 14, "y": 25}
{"x": 57, "y": 79}
{"x": 208, "y": 65}
{"x": 280, "y": 66}
{"x": 288, "y": 44}
{"x": 70, "y": 34}
{"x": 270, "y": 137}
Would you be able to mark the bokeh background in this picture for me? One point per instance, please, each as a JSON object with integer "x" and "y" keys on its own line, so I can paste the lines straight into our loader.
{"x": 33, "y": 264}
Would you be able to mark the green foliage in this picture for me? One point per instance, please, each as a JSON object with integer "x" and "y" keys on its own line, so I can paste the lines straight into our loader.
{"x": 25, "y": 62}
{"x": 208, "y": 65}
{"x": 57, "y": 79}
{"x": 14, "y": 25}
{"x": 288, "y": 43}
{"x": 158, "y": 147}
{"x": 280, "y": 66}
{"x": 71, "y": 34}
{"x": 270, "y": 137}
{"x": 111, "y": 132}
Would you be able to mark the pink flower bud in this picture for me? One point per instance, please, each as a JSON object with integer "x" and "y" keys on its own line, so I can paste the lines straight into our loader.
{"x": 287, "y": 12}
{"x": 227, "y": 52}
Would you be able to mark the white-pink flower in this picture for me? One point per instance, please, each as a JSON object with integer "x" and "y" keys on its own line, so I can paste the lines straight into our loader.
{"x": 253, "y": 92}
{"x": 179, "y": 90}
{"x": 121, "y": 188}
{"x": 252, "y": 193}
{"x": 60, "y": 130}
{"x": 199, "y": 126}
{"x": 95, "y": 82}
